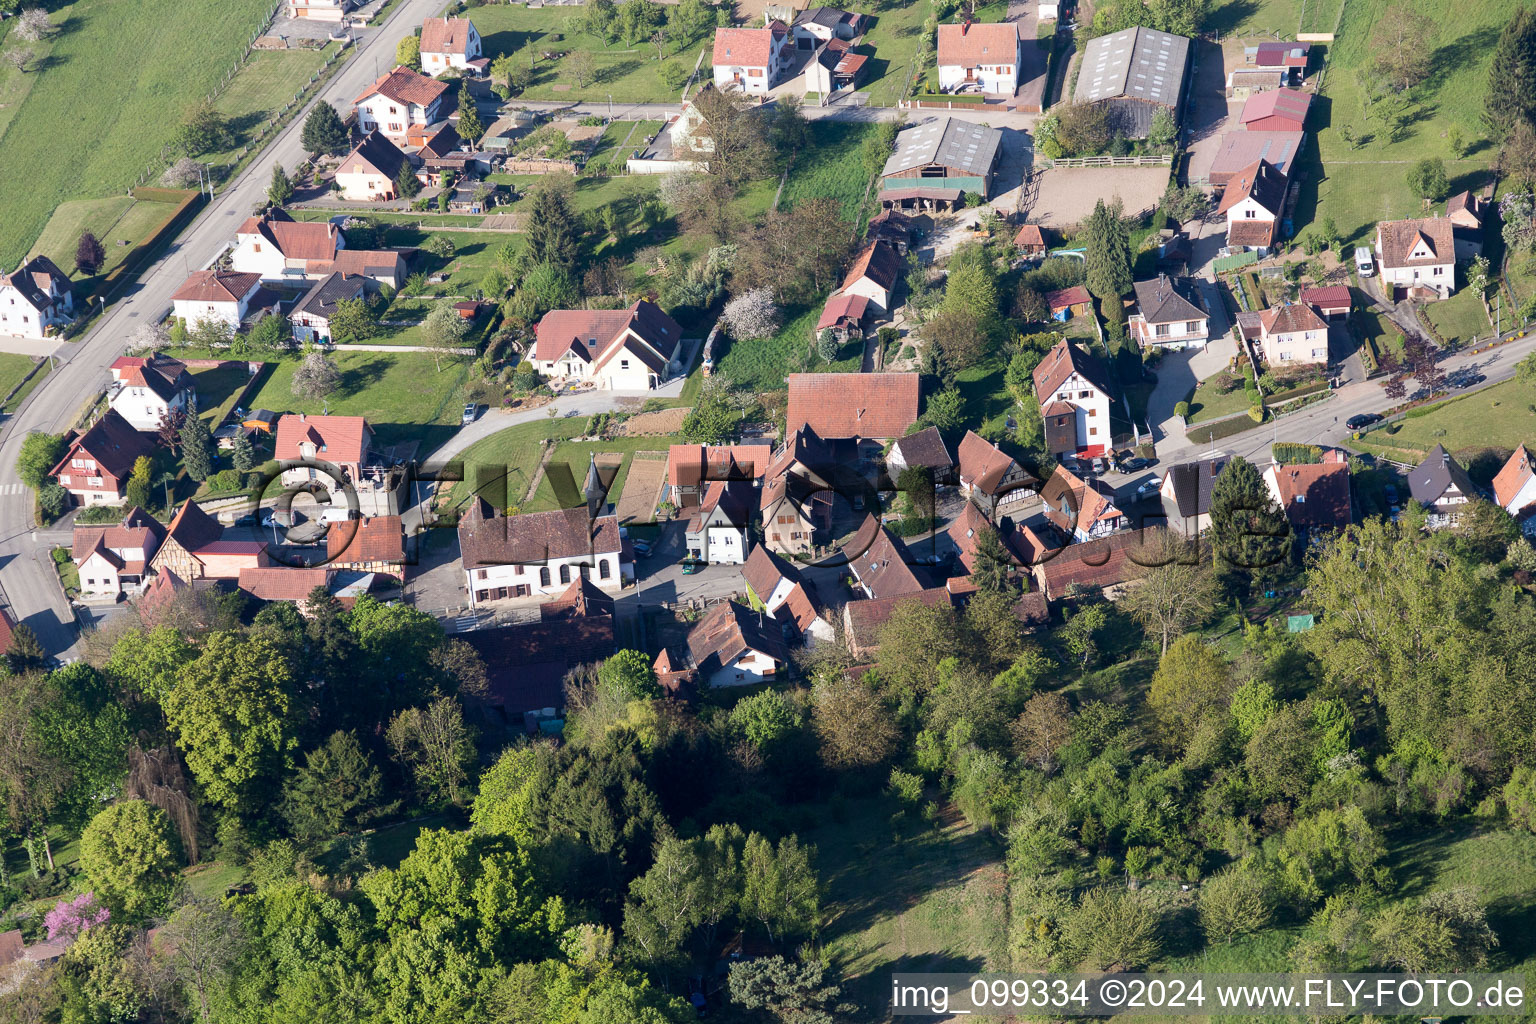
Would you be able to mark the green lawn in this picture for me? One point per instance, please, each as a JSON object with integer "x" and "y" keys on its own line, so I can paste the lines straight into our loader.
{"x": 627, "y": 73}
{"x": 1502, "y": 416}
{"x": 401, "y": 394}
{"x": 217, "y": 389}
{"x": 762, "y": 364}
{"x": 78, "y": 134}
{"x": 500, "y": 468}
{"x": 1460, "y": 318}
{"x": 1209, "y": 404}
{"x": 577, "y": 455}
{"x": 264, "y": 85}
{"x": 26, "y": 389}
{"x": 13, "y": 369}
{"x": 894, "y": 40}
{"x": 1359, "y": 186}
{"x": 832, "y": 167}
{"x": 987, "y": 402}
{"x": 114, "y": 220}
{"x": 618, "y": 141}
{"x": 928, "y": 899}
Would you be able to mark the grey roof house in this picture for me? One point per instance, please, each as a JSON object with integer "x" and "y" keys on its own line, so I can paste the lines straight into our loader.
{"x": 1442, "y": 487}
{"x": 1169, "y": 314}
{"x": 312, "y": 316}
{"x": 1186, "y": 494}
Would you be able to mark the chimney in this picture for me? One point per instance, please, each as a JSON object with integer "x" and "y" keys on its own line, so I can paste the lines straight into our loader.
{"x": 301, "y": 417}
{"x": 965, "y": 25}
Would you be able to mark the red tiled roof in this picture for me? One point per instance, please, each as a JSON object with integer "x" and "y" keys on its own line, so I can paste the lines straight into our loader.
{"x": 1072, "y": 503}
{"x": 1062, "y": 361}
{"x": 1252, "y": 233}
{"x": 405, "y": 86}
{"x": 881, "y": 565}
{"x": 216, "y": 286}
{"x": 1066, "y": 298}
{"x": 1335, "y": 296}
{"x": 1465, "y": 210}
{"x": 1095, "y": 563}
{"x": 137, "y": 530}
{"x": 1029, "y": 237}
{"x": 339, "y": 439}
{"x": 688, "y": 464}
{"x": 7, "y": 627}
{"x": 282, "y": 584}
{"x": 879, "y": 262}
{"x": 864, "y": 618}
{"x": 378, "y": 539}
{"x": 841, "y": 307}
{"x": 744, "y": 47}
{"x": 445, "y": 35}
{"x": 595, "y": 333}
{"x": 1291, "y": 319}
{"x": 296, "y": 240}
{"x": 1514, "y": 474}
{"x": 1290, "y": 104}
{"x": 970, "y": 45}
{"x": 1397, "y": 238}
{"x": 486, "y": 538}
{"x": 729, "y": 630}
{"x": 876, "y": 405}
{"x": 982, "y": 464}
{"x": 1314, "y": 495}
{"x": 1260, "y": 181}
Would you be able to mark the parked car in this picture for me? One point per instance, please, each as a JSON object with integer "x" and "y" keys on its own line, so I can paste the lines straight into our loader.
{"x": 338, "y": 514}
{"x": 1149, "y": 487}
{"x": 1134, "y": 464}
{"x": 1364, "y": 419}
{"x": 692, "y": 566}
{"x": 1098, "y": 466}
{"x": 276, "y": 517}
{"x": 1464, "y": 380}
{"x": 641, "y": 548}
{"x": 470, "y": 412}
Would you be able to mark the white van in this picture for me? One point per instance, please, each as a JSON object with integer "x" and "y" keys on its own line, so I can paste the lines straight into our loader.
{"x": 1365, "y": 263}
{"x": 337, "y": 514}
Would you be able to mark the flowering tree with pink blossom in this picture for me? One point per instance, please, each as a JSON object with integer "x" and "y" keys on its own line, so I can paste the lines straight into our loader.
{"x": 69, "y": 918}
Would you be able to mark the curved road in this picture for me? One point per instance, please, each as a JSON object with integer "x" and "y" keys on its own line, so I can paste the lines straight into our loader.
{"x": 27, "y": 578}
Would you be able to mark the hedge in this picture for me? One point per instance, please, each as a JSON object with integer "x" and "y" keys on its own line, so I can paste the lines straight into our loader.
{"x": 1295, "y": 453}
{"x": 1208, "y": 432}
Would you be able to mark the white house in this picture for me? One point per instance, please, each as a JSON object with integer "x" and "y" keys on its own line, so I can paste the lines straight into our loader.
{"x": 775, "y": 586}
{"x": 146, "y": 391}
{"x": 114, "y": 559}
{"x": 275, "y": 247}
{"x": 1073, "y": 393}
{"x": 986, "y": 57}
{"x": 734, "y": 646}
{"x": 312, "y": 316}
{"x": 36, "y": 299}
{"x": 319, "y": 10}
{"x": 1078, "y": 509}
{"x": 718, "y": 531}
{"x": 369, "y": 173}
{"x": 449, "y": 43}
{"x": 1418, "y": 256}
{"x": 538, "y": 553}
{"x": 1514, "y": 488}
{"x": 398, "y": 100}
{"x": 1253, "y": 202}
{"x": 750, "y": 59}
{"x": 874, "y": 274}
{"x": 1293, "y": 334}
{"x": 1169, "y": 315}
{"x": 632, "y": 349}
{"x": 215, "y": 295}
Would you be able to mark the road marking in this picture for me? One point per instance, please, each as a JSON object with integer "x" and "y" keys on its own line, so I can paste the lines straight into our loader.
{"x": 13, "y": 489}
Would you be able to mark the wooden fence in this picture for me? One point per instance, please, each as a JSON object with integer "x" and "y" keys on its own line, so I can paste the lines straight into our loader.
{"x": 1166, "y": 160}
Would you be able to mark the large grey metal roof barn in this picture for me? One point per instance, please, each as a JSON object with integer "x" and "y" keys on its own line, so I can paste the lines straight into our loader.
{"x": 962, "y": 148}
{"x": 1136, "y": 71}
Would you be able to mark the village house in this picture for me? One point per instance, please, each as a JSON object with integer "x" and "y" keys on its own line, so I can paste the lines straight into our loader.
{"x": 526, "y": 664}
{"x": 1106, "y": 566}
{"x": 1293, "y": 334}
{"x": 879, "y": 563}
{"x": 991, "y": 478}
{"x": 368, "y": 173}
{"x": 833, "y": 68}
{"x": 870, "y": 408}
{"x": 215, "y": 295}
{"x": 719, "y": 529}
{"x": 843, "y": 315}
{"x": 96, "y": 464}
{"x": 1466, "y": 212}
{"x": 874, "y": 275}
{"x": 1239, "y": 151}
{"x": 776, "y": 587}
{"x": 319, "y": 449}
{"x": 863, "y": 620}
{"x": 1332, "y": 302}
{"x": 1135, "y": 73}
{"x": 893, "y": 228}
{"x": 796, "y": 512}
{"x": 1270, "y": 65}
{"x": 375, "y": 544}
{"x": 379, "y": 267}
{"x": 1186, "y": 495}
{"x": 1313, "y": 496}
{"x": 538, "y": 553}
{"x": 114, "y": 560}
{"x": 1253, "y": 203}
{"x": 1021, "y": 545}
{"x": 935, "y": 163}
{"x": 691, "y": 468}
{"x": 734, "y": 646}
{"x": 146, "y": 391}
{"x": 311, "y": 316}
{"x": 334, "y": 11}
{"x": 451, "y": 44}
{"x": 1514, "y": 488}
{"x": 1442, "y": 487}
{"x": 750, "y": 59}
{"x": 36, "y": 299}
{"x": 981, "y": 58}
{"x": 632, "y": 349}
{"x": 287, "y": 584}
{"x": 923, "y": 450}
{"x": 1418, "y": 256}
{"x": 819, "y": 24}
{"x": 1073, "y": 392}
{"x": 1078, "y": 509}
{"x": 276, "y": 247}
{"x": 1169, "y": 314}
{"x": 194, "y": 548}
{"x": 399, "y": 99}
{"x": 1277, "y": 110}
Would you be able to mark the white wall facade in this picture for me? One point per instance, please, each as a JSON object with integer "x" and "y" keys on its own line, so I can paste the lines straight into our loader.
{"x": 20, "y": 319}
{"x": 871, "y": 290}
{"x": 143, "y": 409}
{"x": 1295, "y": 347}
{"x": 751, "y": 668}
{"x": 436, "y": 63}
{"x": 559, "y": 572}
{"x": 254, "y": 254}
{"x": 998, "y": 78}
{"x": 1092, "y": 410}
{"x": 394, "y": 118}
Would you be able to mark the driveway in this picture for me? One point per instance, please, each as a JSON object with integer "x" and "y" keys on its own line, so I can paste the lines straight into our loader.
{"x": 1208, "y": 121}
{"x": 1177, "y": 375}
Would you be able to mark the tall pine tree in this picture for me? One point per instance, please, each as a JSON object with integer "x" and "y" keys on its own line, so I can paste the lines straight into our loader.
{"x": 1107, "y": 254}
{"x": 552, "y": 235}
{"x": 1511, "y": 96}
{"x": 469, "y": 126}
{"x": 324, "y": 131}
{"x": 197, "y": 447}
{"x": 1249, "y": 533}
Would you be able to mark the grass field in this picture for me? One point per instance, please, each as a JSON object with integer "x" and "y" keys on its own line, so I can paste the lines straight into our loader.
{"x": 1360, "y": 185}
{"x": 618, "y": 141}
{"x": 114, "y": 220}
{"x": 833, "y": 167}
{"x": 402, "y": 396}
{"x": 500, "y": 468}
{"x": 1502, "y": 416}
{"x": 1209, "y": 404}
{"x": 761, "y": 365}
{"x": 1460, "y": 318}
{"x": 260, "y": 90}
{"x": 217, "y": 389}
{"x": 934, "y": 901}
{"x": 628, "y": 73}
{"x": 74, "y": 137}
{"x": 577, "y": 454}
{"x": 26, "y": 389}
{"x": 894, "y": 39}
{"x": 13, "y": 369}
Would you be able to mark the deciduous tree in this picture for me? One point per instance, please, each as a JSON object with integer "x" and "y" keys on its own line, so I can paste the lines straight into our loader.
{"x": 1192, "y": 680}
{"x": 130, "y": 856}
{"x": 90, "y": 255}
{"x": 316, "y": 377}
{"x": 1400, "y": 43}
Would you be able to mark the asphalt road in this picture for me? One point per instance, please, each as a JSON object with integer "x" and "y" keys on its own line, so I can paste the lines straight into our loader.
{"x": 27, "y": 578}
